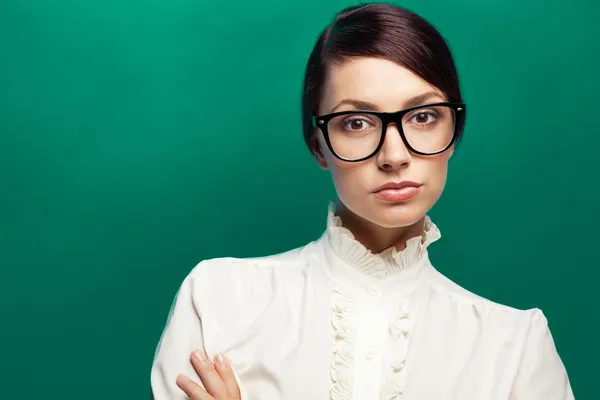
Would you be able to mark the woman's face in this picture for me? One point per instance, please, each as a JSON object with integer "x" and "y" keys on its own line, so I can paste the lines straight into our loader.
{"x": 389, "y": 87}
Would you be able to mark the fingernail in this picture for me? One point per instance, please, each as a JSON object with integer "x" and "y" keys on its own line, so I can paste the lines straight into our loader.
{"x": 220, "y": 359}
{"x": 199, "y": 355}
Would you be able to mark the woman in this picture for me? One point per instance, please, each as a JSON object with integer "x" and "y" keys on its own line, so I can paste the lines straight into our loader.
{"x": 361, "y": 313}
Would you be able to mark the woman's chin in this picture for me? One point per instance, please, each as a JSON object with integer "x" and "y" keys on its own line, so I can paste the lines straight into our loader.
{"x": 397, "y": 215}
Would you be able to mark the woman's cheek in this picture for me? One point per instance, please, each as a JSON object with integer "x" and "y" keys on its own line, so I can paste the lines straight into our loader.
{"x": 437, "y": 181}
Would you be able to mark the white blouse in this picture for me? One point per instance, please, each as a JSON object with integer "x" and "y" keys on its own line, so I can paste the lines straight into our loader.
{"x": 331, "y": 320}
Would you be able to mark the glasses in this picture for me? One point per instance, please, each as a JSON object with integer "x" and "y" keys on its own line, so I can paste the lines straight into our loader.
{"x": 425, "y": 130}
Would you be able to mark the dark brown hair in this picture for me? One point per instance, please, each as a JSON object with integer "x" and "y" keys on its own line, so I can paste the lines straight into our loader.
{"x": 379, "y": 30}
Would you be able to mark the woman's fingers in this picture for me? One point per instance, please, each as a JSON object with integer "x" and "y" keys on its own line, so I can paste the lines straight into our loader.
{"x": 218, "y": 379}
{"x": 227, "y": 376}
{"x": 192, "y": 389}
{"x": 210, "y": 377}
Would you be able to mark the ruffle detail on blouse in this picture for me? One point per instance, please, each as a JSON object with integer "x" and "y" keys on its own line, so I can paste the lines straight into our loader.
{"x": 343, "y": 346}
{"x": 400, "y": 328}
{"x": 385, "y": 263}
{"x": 345, "y": 316}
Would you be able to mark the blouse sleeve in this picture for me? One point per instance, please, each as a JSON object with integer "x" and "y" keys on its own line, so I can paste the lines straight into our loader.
{"x": 541, "y": 374}
{"x": 182, "y": 335}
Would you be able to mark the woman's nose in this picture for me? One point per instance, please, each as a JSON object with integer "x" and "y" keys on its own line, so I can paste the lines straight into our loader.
{"x": 393, "y": 153}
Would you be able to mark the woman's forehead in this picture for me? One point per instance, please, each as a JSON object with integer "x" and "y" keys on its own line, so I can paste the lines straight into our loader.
{"x": 373, "y": 80}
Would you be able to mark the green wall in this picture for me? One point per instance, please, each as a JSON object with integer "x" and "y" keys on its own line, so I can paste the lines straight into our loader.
{"x": 140, "y": 137}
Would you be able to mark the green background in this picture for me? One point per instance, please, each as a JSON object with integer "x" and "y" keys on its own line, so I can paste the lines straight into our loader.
{"x": 140, "y": 137}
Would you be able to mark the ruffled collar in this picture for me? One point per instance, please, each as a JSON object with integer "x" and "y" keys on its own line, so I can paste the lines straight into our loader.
{"x": 387, "y": 263}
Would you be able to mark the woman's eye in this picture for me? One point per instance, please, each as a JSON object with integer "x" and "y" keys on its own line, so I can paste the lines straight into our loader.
{"x": 357, "y": 124}
{"x": 423, "y": 118}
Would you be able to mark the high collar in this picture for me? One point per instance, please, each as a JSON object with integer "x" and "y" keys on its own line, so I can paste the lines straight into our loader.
{"x": 386, "y": 264}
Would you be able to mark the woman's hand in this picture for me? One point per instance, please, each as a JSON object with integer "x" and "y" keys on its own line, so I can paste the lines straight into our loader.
{"x": 217, "y": 377}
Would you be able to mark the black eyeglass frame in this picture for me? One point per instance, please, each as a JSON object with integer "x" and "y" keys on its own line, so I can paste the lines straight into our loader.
{"x": 321, "y": 122}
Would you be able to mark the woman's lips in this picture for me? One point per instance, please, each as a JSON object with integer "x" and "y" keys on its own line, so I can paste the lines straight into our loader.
{"x": 398, "y": 194}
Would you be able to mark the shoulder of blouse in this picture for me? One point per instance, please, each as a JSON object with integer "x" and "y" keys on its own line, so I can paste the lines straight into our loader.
{"x": 541, "y": 374}
{"x": 230, "y": 279}
{"x": 250, "y": 267}
{"x": 230, "y": 294}
{"x": 508, "y": 316}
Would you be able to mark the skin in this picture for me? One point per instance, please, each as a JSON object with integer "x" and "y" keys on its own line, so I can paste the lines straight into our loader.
{"x": 379, "y": 224}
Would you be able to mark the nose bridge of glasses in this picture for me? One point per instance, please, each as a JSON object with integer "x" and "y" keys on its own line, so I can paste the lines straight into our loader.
{"x": 392, "y": 121}
{"x": 392, "y": 131}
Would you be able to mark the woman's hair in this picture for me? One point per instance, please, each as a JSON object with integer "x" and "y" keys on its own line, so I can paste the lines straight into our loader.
{"x": 384, "y": 31}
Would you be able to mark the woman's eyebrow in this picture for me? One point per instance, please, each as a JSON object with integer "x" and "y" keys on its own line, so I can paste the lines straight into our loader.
{"x": 357, "y": 104}
{"x": 412, "y": 102}
{"x": 422, "y": 99}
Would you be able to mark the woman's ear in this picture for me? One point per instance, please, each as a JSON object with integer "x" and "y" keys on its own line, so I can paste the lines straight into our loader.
{"x": 315, "y": 147}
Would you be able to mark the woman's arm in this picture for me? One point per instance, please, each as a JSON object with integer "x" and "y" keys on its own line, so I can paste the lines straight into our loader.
{"x": 541, "y": 375}
{"x": 181, "y": 336}
{"x": 181, "y": 368}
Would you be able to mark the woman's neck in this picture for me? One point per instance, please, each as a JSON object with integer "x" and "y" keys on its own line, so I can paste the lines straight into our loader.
{"x": 377, "y": 238}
